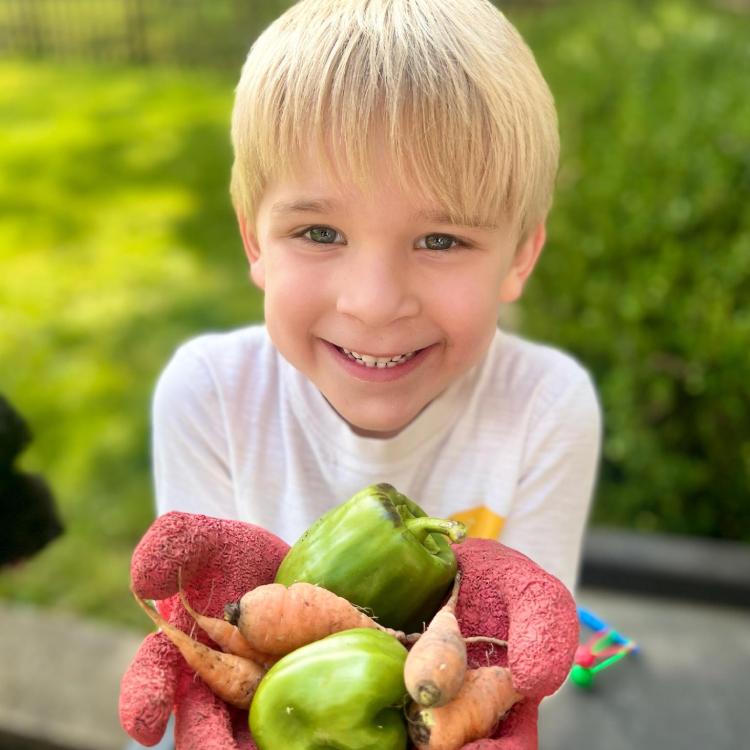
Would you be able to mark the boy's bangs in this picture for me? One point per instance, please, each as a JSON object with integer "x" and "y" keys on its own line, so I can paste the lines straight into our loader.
{"x": 372, "y": 85}
{"x": 429, "y": 150}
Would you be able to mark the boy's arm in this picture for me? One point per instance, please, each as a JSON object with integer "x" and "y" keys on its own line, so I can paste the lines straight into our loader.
{"x": 191, "y": 464}
{"x": 551, "y": 505}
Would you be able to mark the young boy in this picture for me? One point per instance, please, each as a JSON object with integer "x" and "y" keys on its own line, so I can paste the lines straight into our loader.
{"x": 394, "y": 168}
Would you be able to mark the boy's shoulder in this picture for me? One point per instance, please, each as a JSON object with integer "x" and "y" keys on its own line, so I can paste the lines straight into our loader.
{"x": 233, "y": 348}
{"x": 517, "y": 360}
{"x": 226, "y": 346}
{"x": 220, "y": 359}
{"x": 527, "y": 376}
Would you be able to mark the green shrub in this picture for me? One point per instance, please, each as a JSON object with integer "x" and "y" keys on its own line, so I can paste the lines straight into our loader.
{"x": 646, "y": 276}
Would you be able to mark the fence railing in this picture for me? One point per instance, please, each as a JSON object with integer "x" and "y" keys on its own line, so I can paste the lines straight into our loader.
{"x": 178, "y": 32}
{"x": 214, "y": 33}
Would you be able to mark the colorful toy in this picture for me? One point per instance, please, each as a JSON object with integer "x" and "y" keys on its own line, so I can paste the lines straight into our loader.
{"x": 602, "y": 650}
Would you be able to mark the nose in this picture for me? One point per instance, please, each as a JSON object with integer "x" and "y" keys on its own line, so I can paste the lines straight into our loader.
{"x": 376, "y": 288}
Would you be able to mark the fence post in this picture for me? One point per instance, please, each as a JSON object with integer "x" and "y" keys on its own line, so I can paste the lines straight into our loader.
{"x": 31, "y": 29}
{"x": 135, "y": 24}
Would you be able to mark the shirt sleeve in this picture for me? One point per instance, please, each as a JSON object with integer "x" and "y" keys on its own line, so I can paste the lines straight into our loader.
{"x": 561, "y": 458}
{"x": 191, "y": 462}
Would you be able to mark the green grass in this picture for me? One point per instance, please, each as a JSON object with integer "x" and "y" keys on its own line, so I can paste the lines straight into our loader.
{"x": 117, "y": 243}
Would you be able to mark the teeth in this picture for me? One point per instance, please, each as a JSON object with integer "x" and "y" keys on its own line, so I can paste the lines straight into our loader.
{"x": 380, "y": 362}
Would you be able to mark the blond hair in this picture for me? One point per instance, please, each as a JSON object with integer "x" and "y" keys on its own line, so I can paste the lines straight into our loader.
{"x": 450, "y": 85}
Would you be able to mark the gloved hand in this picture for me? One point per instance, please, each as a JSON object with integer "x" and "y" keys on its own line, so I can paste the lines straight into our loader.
{"x": 219, "y": 561}
{"x": 505, "y": 595}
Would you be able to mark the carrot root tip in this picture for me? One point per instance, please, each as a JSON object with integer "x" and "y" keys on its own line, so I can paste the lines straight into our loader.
{"x": 232, "y": 612}
{"x": 428, "y": 694}
{"x": 420, "y": 726}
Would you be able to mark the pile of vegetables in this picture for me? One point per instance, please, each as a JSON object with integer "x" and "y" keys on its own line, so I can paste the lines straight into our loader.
{"x": 309, "y": 663}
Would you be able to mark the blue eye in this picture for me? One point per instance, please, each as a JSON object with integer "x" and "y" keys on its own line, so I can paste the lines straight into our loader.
{"x": 440, "y": 242}
{"x": 322, "y": 235}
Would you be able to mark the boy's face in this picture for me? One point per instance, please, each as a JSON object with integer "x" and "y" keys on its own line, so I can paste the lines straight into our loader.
{"x": 353, "y": 281}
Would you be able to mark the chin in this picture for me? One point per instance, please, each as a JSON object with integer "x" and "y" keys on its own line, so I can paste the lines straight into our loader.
{"x": 377, "y": 426}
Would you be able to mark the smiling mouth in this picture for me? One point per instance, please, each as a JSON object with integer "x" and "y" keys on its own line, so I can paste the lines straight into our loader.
{"x": 367, "y": 360}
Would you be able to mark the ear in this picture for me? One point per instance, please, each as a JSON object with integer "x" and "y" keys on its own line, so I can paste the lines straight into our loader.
{"x": 252, "y": 251}
{"x": 524, "y": 260}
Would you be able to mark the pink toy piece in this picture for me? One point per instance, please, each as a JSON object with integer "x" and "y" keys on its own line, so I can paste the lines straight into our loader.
{"x": 584, "y": 657}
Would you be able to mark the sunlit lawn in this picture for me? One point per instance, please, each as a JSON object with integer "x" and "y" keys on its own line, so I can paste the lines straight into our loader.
{"x": 117, "y": 241}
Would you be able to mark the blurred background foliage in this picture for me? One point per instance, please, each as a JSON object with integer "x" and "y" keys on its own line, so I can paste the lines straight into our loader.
{"x": 117, "y": 242}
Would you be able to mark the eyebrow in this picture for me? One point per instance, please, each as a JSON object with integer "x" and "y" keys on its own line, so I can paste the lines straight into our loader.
{"x": 314, "y": 205}
{"x": 323, "y": 205}
{"x": 440, "y": 217}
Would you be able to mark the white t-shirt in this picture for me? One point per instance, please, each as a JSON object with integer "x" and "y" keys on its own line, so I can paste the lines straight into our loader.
{"x": 511, "y": 449}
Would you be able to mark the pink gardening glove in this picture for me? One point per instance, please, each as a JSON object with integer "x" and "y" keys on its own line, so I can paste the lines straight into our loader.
{"x": 505, "y": 595}
{"x": 220, "y": 561}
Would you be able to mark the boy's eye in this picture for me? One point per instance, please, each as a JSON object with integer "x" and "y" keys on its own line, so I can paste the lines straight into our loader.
{"x": 439, "y": 242}
{"x": 324, "y": 235}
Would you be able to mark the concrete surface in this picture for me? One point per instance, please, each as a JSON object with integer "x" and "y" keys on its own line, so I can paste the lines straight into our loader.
{"x": 59, "y": 681}
{"x": 687, "y": 688}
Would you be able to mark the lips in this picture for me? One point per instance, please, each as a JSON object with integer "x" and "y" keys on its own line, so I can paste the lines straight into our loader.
{"x": 378, "y": 368}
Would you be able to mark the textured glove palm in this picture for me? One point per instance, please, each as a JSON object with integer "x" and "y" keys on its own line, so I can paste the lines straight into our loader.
{"x": 503, "y": 595}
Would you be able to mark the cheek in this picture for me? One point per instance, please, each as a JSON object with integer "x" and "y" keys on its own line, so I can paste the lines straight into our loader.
{"x": 470, "y": 308}
{"x": 294, "y": 295}
{"x": 469, "y": 321}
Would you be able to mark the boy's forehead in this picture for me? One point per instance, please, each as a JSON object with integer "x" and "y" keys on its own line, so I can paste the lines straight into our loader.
{"x": 326, "y": 168}
{"x": 313, "y": 181}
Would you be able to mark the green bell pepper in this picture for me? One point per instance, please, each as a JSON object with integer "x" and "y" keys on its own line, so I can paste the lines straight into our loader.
{"x": 345, "y": 691}
{"x": 382, "y": 552}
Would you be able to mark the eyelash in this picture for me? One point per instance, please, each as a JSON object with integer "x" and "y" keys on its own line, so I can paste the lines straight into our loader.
{"x": 458, "y": 243}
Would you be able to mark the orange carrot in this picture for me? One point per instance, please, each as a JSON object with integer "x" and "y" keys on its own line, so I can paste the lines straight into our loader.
{"x": 277, "y": 619}
{"x": 484, "y": 698}
{"x": 232, "y": 678}
{"x": 227, "y": 636}
{"x": 435, "y": 667}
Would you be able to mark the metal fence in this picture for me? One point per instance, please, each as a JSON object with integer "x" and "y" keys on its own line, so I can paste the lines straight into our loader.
{"x": 176, "y": 32}
{"x": 213, "y": 33}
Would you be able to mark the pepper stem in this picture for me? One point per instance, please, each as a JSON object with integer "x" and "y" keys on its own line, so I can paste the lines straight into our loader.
{"x": 421, "y": 526}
